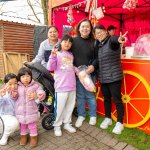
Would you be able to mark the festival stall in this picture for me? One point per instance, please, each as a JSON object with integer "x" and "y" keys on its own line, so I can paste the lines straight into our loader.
{"x": 134, "y": 17}
{"x": 126, "y": 15}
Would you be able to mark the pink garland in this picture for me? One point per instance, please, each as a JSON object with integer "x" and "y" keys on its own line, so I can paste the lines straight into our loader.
{"x": 130, "y": 4}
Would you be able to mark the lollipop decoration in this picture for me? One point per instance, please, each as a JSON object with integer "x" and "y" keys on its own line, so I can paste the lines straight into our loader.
{"x": 70, "y": 16}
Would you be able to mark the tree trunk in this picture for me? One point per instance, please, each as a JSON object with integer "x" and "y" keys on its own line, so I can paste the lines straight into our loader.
{"x": 45, "y": 10}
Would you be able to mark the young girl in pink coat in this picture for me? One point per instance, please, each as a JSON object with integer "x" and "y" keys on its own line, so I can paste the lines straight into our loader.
{"x": 26, "y": 108}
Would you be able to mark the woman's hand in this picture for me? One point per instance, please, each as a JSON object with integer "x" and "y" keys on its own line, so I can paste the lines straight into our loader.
{"x": 90, "y": 69}
{"x": 28, "y": 63}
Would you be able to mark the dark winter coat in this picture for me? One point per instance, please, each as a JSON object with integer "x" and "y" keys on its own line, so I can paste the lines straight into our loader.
{"x": 110, "y": 69}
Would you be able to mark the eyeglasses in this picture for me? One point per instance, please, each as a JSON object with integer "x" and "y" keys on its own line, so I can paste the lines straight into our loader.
{"x": 100, "y": 32}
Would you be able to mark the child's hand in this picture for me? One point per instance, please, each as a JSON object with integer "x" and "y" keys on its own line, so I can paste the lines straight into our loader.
{"x": 41, "y": 96}
{"x": 54, "y": 52}
{"x": 2, "y": 92}
{"x": 31, "y": 95}
{"x": 14, "y": 93}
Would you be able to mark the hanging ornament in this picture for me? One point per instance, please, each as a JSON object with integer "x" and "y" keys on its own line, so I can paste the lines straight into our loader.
{"x": 130, "y": 4}
{"x": 87, "y": 7}
{"x": 98, "y": 13}
{"x": 94, "y": 13}
{"x": 70, "y": 16}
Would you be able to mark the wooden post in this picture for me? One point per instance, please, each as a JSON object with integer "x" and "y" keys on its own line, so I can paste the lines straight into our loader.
{"x": 5, "y": 63}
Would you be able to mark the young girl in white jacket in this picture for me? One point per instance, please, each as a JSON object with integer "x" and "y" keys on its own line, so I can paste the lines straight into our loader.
{"x": 7, "y": 107}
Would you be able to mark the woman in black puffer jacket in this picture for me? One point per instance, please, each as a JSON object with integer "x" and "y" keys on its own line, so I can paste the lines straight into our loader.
{"x": 110, "y": 75}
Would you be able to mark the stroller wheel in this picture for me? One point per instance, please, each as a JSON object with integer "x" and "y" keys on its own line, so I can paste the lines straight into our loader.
{"x": 75, "y": 112}
{"x": 47, "y": 121}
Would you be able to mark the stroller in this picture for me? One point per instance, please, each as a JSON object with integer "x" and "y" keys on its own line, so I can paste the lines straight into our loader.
{"x": 41, "y": 75}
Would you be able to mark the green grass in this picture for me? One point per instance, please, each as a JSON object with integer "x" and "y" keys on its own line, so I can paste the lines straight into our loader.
{"x": 132, "y": 136}
{"x": 1, "y": 83}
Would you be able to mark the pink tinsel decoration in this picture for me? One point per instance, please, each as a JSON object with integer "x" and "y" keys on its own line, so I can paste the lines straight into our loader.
{"x": 130, "y": 4}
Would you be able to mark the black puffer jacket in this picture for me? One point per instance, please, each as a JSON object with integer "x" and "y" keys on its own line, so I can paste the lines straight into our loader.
{"x": 110, "y": 69}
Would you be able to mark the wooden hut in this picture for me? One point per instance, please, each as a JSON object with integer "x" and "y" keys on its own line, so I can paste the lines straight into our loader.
{"x": 16, "y": 37}
{"x": 16, "y": 45}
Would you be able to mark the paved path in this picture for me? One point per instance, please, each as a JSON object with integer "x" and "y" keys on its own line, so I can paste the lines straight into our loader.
{"x": 86, "y": 138}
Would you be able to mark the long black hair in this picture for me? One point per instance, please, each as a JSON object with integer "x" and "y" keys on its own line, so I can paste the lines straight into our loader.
{"x": 22, "y": 71}
{"x": 91, "y": 36}
{"x": 67, "y": 37}
{"x": 79, "y": 24}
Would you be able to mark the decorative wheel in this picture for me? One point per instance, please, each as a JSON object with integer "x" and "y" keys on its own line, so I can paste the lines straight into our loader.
{"x": 136, "y": 100}
{"x": 100, "y": 100}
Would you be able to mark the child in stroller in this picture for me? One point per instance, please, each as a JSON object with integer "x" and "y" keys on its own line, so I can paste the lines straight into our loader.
{"x": 41, "y": 75}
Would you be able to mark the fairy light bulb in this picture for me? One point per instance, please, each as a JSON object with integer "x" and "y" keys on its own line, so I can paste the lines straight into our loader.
{"x": 103, "y": 8}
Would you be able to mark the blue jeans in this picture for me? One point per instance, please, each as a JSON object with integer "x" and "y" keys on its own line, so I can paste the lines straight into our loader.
{"x": 83, "y": 97}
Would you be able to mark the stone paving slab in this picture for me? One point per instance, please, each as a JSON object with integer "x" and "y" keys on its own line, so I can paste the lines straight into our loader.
{"x": 86, "y": 138}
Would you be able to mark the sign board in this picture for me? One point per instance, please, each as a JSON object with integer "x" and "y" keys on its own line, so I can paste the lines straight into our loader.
{"x": 56, "y": 3}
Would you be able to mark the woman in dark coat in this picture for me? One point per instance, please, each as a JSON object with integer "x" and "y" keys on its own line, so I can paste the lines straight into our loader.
{"x": 84, "y": 54}
{"x": 110, "y": 75}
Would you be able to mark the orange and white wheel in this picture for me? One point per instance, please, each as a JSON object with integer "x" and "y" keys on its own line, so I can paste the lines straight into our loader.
{"x": 136, "y": 100}
{"x": 100, "y": 100}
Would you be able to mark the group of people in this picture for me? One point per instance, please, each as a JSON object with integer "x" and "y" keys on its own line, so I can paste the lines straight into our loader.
{"x": 93, "y": 47}
{"x": 102, "y": 56}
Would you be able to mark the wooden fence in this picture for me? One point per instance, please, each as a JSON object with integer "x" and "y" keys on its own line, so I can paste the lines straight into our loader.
{"x": 11, "y": 62}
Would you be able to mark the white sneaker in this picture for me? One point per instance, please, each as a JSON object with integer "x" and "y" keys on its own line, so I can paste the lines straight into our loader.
{"x": 106, "y": 122}
{"x": 69, "y": 128}
{"x": 79, "y": 121}
{"x": 118, "y": 128}
{"x": 92, "y": 121}
{"x": 3, "y": 140}
{"x": 57, "y": 131}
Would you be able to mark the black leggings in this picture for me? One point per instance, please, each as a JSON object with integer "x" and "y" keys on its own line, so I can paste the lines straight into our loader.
{"x": 113, "y": 90}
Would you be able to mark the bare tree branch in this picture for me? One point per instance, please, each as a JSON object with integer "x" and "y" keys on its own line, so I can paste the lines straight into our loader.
{"x": 2, "y": 13}
{"x": 38, "y": 3}
{"x": 39, "y": 13}
{"x": 36, "y": 9}
{"x": 2, "y": 4}
{"x": 30, "y": 5}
